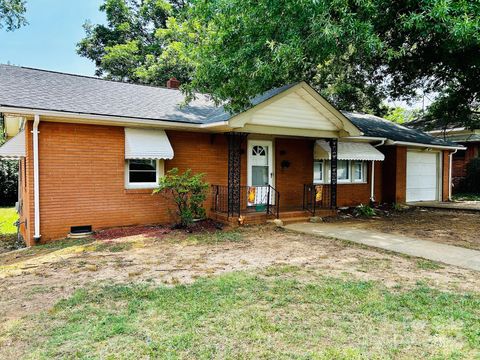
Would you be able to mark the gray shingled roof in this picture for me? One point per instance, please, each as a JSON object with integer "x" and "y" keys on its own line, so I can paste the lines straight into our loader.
{"x": 49, "y": 90}
{"x": 375, "y": 126}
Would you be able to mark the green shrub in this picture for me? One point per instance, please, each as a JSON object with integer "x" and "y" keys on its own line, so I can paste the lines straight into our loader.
{"x": 472, "y": 180}
{"x": 188, "y": 191}
{"x": 364, "y": 211}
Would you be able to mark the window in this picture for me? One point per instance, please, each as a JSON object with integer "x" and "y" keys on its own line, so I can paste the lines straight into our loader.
{"x": 358, "y": 172}
{"x": 143, "y": 173}
{"x": 347, "y": 171}
{"x": 343, "y": 170}
{"x": 317, "y": 171}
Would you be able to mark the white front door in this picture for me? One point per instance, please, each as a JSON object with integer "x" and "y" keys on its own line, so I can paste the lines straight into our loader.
{"x": 260, "y": 170}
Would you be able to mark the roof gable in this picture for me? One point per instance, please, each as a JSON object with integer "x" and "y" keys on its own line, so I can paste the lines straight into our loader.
{"x": 299, "y": 106}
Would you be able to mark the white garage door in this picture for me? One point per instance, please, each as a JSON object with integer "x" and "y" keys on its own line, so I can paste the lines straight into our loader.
{"x": 422, "y": 176}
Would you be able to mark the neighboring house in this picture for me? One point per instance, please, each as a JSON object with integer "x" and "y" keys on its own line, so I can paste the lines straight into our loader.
{"x": 470, "y": 139}
{"x": 91, "y": 151}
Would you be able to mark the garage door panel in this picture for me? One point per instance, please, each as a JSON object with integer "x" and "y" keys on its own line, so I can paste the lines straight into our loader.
{"x": 422, "y": 176}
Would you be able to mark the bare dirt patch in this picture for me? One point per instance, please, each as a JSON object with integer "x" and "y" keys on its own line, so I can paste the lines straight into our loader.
{"x": 458, "y": 228}
{"x": 33, "y": 280}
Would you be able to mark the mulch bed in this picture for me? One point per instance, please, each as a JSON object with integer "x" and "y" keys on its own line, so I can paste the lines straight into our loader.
{"x": 203, "y": 226}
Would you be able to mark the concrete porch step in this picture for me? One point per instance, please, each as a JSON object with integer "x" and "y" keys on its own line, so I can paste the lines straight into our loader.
{"x": 294, "y": 214}
{"x": 292, "y": 220}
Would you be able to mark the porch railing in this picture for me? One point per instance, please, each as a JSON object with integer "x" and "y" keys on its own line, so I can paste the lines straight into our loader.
{"x": 252, "y": 199}
{"x": 316, "y": 196}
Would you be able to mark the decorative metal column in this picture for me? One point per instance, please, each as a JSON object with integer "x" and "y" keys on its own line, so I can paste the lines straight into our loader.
{"x": 333, "y": 172}
{"x": 235, "y": 141}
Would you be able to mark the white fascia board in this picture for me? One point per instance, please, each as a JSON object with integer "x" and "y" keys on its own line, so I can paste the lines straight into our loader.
{"x": 364, "y": 138}
{"x": 100, "y": 118}
{"x": 442, "y": 147}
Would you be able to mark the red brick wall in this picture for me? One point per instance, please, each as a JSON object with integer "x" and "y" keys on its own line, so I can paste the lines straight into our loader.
{"x": 82, "y": 177}
{"x": 290, "y": 181}
{"x": 394, "y": 174}
{"x": 459, "y": 166}
{"x": 395, "y": 171}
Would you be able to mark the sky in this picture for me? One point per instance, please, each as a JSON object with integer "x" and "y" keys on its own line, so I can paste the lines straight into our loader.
{"x": 49, "y": 40}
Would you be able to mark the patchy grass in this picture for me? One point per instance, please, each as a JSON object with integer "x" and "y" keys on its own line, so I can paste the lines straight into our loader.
{"x": 466, "y": 197}
{"x": 266, "y": 314}
{"x": 428, "y": 265}
{"x": 112, "y": 246}
{"x": 7, "y": 217}
{"x": 210, "y": 238}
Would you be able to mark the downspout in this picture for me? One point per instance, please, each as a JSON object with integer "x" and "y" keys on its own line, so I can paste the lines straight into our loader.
{"x": 372, "y": 185}
{"x": 450, "y": 175}
{"x": 36, "y": 180}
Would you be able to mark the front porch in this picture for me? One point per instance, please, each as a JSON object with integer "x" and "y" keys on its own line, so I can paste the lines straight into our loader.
{"x": 259, "y": 204}
{"x": 271, "y": 179}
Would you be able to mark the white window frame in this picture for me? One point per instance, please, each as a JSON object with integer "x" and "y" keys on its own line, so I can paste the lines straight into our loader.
{"x": 349, "y": 171}
{"x": 327, "y": 173}
{"x": 323, "y": 167}
{"x": 160, "y": 167}
{"x": 363, "y": 169}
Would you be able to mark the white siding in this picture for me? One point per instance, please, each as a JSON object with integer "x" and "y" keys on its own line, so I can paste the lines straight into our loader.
{"x": 294, "y": 111}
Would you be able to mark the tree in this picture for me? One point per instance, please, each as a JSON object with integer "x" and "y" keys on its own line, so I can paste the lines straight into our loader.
{"x": 12, "y": 14}
{"x": 354, "y": 52}
{"x": 401, "y": 115}
{"x": 127, "y": 48}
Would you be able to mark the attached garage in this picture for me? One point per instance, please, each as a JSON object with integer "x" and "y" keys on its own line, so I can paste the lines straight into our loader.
{"x": 423, "y": 176}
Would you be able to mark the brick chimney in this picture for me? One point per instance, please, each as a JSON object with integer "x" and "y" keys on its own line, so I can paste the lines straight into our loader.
{"x": 173, "y": 83}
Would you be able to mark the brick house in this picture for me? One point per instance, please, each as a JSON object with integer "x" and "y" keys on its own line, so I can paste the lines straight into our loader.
{"x": 470, "y": 140}
{"x": 91, "y": 151}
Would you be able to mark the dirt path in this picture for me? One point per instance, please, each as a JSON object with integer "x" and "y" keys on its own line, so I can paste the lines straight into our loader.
{"x": 31, "y": 282}
{"x": 456, "y": 228}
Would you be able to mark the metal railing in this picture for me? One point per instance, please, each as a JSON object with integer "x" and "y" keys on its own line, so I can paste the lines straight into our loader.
{"x": 316, "y": 196}
{"x": 252, "y": 199}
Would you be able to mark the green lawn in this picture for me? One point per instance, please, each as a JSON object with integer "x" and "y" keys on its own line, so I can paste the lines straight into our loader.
{"x": 283, "y": 312}
{"x": 7, "y": 217}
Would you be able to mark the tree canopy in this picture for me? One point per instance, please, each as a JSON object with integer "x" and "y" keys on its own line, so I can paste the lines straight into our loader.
{"x": 357, "y": 53}
{"x": 12, "y": 14}
{"x": 127, "y": 47}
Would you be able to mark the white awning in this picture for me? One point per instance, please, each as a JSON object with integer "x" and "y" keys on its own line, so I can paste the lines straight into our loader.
{"x": 147, "y": 144}
{"x": 348, "y": 151}
{"x": 14, "y": 149}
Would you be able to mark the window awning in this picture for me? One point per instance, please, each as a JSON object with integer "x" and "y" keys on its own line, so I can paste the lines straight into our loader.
{"x": 348, "y": 151}
{"x": 147, "y": 144}
{"x": 14, "y": 149}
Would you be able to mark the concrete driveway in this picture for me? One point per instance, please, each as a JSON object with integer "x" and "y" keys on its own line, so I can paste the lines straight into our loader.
{"x": 452, "y": 255}
{"x": 449, "y": 205}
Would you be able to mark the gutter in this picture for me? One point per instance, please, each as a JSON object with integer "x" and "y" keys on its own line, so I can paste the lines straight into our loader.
{"x": 367, "y": 138}
{"x": 36, "y": 179}
{"x": 108, "y": 118}
{"x": 442, "y": 147}
{"x": 381, "y": 143}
